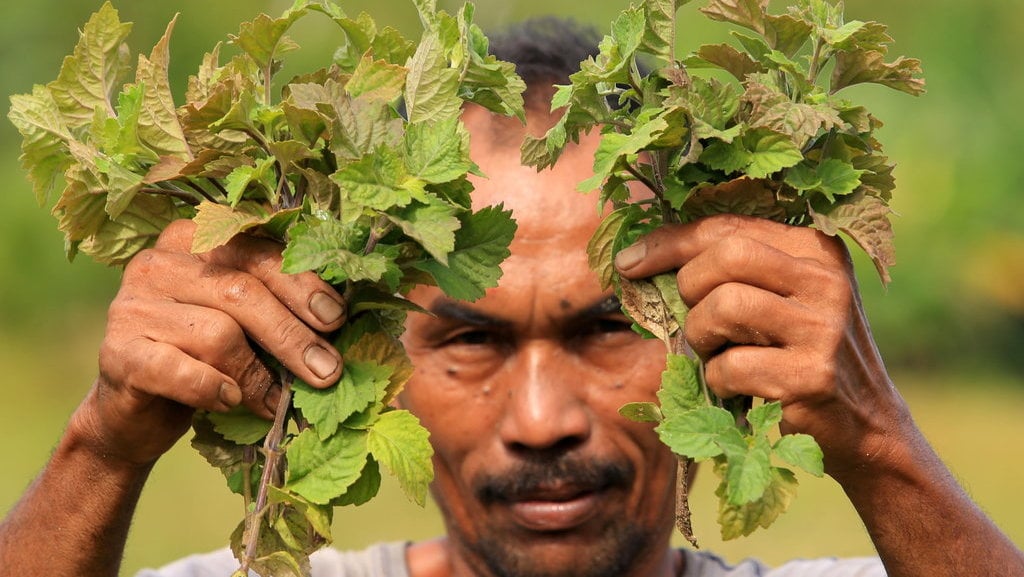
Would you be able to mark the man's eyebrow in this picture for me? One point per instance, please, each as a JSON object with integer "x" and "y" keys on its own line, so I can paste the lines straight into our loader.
{"x": 606, "y": 306}
{"x": 454, "y": 310}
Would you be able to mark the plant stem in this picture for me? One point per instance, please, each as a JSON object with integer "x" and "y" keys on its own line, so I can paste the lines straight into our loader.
{"x": 271, "y": 466}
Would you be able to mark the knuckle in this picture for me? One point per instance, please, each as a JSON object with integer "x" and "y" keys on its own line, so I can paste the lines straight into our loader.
{"x": 234, "y": 287}
{"x": 218, "y": 330}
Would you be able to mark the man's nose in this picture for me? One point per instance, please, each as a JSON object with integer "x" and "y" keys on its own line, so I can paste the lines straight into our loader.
{"x": 546, "y": 406}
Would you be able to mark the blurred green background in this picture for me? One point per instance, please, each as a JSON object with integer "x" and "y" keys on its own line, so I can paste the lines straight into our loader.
{"x": 951, "y": 325}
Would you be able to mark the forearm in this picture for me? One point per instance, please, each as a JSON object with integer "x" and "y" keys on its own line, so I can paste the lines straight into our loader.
{"x": 922, "y": 522}
{"x": 74, "y": 518}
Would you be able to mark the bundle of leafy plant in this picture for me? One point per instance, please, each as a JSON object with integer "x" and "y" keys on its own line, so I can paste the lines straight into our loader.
{"x": 359, "y": 168}
{"x": 757, "y": 128}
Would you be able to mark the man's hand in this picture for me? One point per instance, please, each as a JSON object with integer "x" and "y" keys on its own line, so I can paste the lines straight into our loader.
{"x": 187, "y": 331}
{"x": 775, "y": 314}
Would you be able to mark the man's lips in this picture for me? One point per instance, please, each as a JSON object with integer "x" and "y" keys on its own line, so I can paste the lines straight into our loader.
{"x": 555, "y": 509}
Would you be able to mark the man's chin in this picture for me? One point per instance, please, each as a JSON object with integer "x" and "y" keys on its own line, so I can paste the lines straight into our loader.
{"x": 609, "y": 550}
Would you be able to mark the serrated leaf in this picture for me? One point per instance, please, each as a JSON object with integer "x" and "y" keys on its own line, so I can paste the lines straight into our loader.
{"x": 43, "y": 156}
{"x": 680, "y": 390}
{"x": 432, "y": 225}
{"x": 606, "y": 239}
{"x": 90, "y": 77}
{"x": 869, "y": 66}
{"x": 615, "y": 146}
{"x": 263, "y": 38}
{"x": 240, "y": 425}
{"x": 481, "y": 244}
{"x": 384, "y": 350}
{"x": 117, "y": 240}
{"x": 400, "y": 443}
{"x": 728, "y": 58}
{"x": 763, "y": 417}
{"x": 742, "y": 520}
{"x": 801, "y": 451}
{"x": 376, "y": 80}
{"x": 660, "y": 33}
{"x": 216, "y": 224}
{"x": 695, "y": 434}
{"x": 746, "y": 13}
{"x": 376, "y": 181}
{"x": 866, "y": 220}
{"x": 437, "y": 152}
{"x": 327, "y": 408}
{"x": 770, "y": 152}
{"x": 322, "y": 470}
{"x": 749, "y": 466}
{"x": 364, "y": 489}
{"x": 431, "y": 87}
{"x": 159, "y": 128}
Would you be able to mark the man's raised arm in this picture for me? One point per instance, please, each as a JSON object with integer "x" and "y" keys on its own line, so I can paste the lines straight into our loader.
{"x": 775, "y": 313}
{"x": 178, "y": 338}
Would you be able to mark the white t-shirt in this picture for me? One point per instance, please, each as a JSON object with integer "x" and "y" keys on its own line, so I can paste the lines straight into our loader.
{"x": 388, "y": 560}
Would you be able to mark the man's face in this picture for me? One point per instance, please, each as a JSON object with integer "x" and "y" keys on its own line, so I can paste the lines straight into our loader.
{"x": 536, "y": 472}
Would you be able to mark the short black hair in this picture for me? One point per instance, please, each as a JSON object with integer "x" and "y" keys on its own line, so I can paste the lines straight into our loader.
{"x": 546, "y": 50}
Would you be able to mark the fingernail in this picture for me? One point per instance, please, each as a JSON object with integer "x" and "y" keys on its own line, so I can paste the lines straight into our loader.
{"x": 325, "y": 308}
{"x": 321, "y": 362}
{"x": 230, "y": 395}
{"x": 630, "y": 256}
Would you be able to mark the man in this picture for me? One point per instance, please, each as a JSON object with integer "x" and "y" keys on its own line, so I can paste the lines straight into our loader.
{"x": 536, "y": 473}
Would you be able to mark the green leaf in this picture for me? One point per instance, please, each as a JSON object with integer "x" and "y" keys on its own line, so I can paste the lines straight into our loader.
{"x": 159, "y": 128}
{"x": 741, "y": 520}
{"x": 695, "y": 434}
{"x": 749, "y": 472}
{"x": 660, "y": 33}
{"x": 437, "y": 152}
{"x": 616, "y": 147}
{"x": 240, "y": 425}
{"x": 680, "y": 390}
{"x": 400, "y": 443}
{"x": 432, "y": 225}
{"x": 216, "y": 224}
{"x": 481, "y": 244}
{"x": 90, "y": 76}
{"x": 763, "y": 417}
{"x": 801, "y": 451}
{"x": 327, "y": 408}
{"x": 770, "y": 152}
{"x": 43, "y": 152}
{"x": 606, "y": 240}
{"x": 322, "y": 470}
{"x": 431, "y": 90}
{"x": 837, "y": 178}
{"x": 642, "y": 412}
{"x": 376, "y": 80}
{"x": 377, "y": 181}
{"x": 263, "y": 38}
{"x": 364, "y": 489}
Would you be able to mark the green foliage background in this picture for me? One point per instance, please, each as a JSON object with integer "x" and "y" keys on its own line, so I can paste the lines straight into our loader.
{"x": 951, "y": 325}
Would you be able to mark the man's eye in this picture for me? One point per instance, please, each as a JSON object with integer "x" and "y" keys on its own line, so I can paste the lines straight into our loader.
{"x": 604, "y": 326}
{"x": 471, "y": 337}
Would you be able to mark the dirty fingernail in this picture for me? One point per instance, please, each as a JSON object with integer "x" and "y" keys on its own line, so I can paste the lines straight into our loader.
{"x": 325, "y": 308}
{"x": 630, "y": 256}
{"x": 321, "y": 362}
{"x": 230, "y": 394}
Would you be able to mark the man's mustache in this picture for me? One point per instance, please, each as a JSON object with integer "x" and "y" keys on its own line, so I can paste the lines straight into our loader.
{"x": 539, "y": 476}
